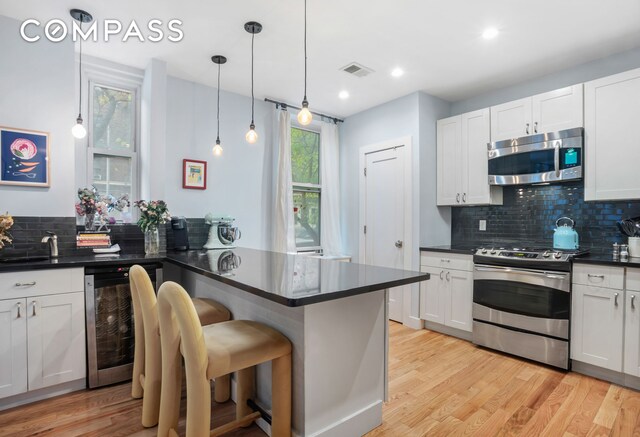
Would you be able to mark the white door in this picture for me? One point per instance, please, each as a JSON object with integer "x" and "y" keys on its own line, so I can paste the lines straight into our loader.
{"x": 384, "y": 216}
{"x": 449, "y": 161}
{"x": 597, "y": 326}
{"x": 611, "y": 118}
{"x": 13, "y": 347}
{"x": 432, "y": 296}
{"x": 56, "y": 338}
{"x": 632, "y": 334}
{"x": 459, "y": 299}
{"x": 475, "y": 164}
{"x": 511, "y": 120}
{"x": 558, "y": 110}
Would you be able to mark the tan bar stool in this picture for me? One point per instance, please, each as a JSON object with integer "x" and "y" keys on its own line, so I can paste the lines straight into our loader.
{"x": 213, "y": 350}
{"x": 147, "y": 359}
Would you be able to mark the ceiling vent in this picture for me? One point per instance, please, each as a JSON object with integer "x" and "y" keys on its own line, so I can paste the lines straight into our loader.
{"x": 357, "y": 70}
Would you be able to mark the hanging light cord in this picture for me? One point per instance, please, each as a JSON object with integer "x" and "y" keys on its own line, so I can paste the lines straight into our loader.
{"x": 253, "y": 35}
{"x": 218, "y": 116}
{"x": 305, "y": 50}
{"x": 80, "y": 71}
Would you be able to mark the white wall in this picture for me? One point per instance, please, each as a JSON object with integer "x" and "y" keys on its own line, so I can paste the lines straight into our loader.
{"x": 37, "y": 92}
{"x": 239, "y": 183}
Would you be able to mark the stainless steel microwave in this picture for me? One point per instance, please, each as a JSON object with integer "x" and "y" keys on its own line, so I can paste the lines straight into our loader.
{"x": 537, "y": 159}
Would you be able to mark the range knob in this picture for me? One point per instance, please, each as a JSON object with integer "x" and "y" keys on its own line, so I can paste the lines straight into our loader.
{"x": 483, "y": 250}
{"x": 546, "y": 254}
{"x": 493, "y": 251}
{"x": 557, "y": 255}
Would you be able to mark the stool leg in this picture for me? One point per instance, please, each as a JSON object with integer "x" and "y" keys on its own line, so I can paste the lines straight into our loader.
{"x": 244, "y": 391}
{"x": 222, "y": 393}
{"x": 281, "y": 396}
{"x": 198, "y": 402}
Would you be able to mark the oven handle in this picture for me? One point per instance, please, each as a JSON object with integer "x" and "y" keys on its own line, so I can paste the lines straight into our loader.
{"x": 549, "y": 275}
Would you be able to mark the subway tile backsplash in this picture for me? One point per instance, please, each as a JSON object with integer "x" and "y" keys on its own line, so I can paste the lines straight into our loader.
{"x": 529, "y": 213}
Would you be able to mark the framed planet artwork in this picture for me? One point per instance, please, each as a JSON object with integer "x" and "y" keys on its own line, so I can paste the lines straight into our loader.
{"x": 24, "y": 157}
{"x": 194, "y": 174}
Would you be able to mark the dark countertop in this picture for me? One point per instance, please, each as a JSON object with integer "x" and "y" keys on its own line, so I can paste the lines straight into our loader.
{"x": 291, "y": 280}
{"x": 606, "y": 258}
{"x": 462, "y": 249}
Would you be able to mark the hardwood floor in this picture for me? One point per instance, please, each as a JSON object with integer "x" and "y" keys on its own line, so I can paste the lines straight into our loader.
{"x": 439, "y": 385}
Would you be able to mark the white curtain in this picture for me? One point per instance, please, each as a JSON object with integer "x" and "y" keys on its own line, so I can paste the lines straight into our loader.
{"x": 284, "y": 235}
{"x": 330, "y": 200}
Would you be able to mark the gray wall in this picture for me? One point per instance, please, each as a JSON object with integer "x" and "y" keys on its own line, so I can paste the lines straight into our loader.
{"x": 582, "y": 73}
{"x": 37, "y": 92}
{"x": 239, "y": 183}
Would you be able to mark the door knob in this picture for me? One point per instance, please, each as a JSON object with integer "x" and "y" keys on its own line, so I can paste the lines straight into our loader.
{"x": 399, "y": 244}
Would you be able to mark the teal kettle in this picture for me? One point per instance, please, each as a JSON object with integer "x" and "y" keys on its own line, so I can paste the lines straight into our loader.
{"x": 565, "y": 236}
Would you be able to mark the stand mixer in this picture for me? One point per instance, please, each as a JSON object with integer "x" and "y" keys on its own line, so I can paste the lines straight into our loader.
{"x": 222, "y": 234}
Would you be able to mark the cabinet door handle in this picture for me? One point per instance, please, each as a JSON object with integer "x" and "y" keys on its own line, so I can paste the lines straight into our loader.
{"x": 633, "y": 305}
{"x": 25, "y": 284}
{"x": 458, "y": 198}
{"x": 527, "y": 129}
{"x": 615, "y": 299}
{"x": 441, "y": 275}
{"x": 19, "y": 305}
{"x": 595, "y": 276}
{"x": 448, "y": 276}
{"x": 464, "y": 197}
{"x": 535, "y": 127}
{"x": 34, "y": 308}
{"x": 444, "y": 260}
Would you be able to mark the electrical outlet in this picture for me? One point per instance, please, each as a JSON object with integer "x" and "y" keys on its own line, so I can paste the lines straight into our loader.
{"x": 483, "y": 225}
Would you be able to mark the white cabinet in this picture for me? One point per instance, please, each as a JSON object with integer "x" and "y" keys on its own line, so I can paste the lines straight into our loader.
{"x": 462, "y": 164}
{"x": 447, "y": 297}
{"x": 42, "y": 335}
{"x": 13, "y": 347}
{"x": 632, "y": 333}
{"x": 612, "y": 153}
{"x": 597, "y": 326}
{"x": 547, "y": 112}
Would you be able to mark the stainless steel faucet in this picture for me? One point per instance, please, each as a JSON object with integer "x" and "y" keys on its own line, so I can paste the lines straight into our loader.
{"x": 52, "y": 240}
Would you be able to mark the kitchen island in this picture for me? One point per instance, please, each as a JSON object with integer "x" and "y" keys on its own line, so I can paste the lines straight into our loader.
{"x": 334, "y": 313}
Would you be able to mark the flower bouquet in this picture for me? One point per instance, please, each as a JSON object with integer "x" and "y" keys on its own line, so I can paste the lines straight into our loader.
{"x": 153, "y": 213}
{"x": 6, "y": 221}
{"x": 92, "y": 204}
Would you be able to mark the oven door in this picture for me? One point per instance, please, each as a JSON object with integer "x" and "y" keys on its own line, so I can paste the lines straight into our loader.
{"x": 529, "y": 300}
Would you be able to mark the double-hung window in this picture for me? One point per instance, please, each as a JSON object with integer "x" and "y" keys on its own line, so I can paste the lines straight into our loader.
{"x": 307, "y": 189}
{"x": 113, "y": 140}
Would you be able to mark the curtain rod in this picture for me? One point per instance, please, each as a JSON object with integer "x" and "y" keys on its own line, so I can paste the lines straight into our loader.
{"x": 319, "y": 114}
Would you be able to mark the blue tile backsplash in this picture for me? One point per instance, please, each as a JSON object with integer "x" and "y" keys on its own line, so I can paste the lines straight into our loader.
{"x": 529, "y": 213}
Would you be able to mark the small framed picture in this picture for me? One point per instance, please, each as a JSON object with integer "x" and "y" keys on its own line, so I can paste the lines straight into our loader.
{"x": 24, "y": 157}
{"x": 194, "y": 174}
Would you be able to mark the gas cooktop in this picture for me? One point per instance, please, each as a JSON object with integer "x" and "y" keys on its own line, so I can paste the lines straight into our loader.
{"x": 529, "y": 253}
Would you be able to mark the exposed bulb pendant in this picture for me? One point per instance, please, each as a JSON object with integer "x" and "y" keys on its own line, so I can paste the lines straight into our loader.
{"x": 79, "y": 131}
{"x": 217, "y": 149}
{"x": 305, "y": 116}
{"x": 253, "y": 27}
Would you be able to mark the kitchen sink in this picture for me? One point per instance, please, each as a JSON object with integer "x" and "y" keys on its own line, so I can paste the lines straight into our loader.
{"x": 23, "y": 259}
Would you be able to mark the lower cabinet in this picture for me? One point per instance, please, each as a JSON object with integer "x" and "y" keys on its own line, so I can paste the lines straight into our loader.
{"x": 42, "y": 342}
{"x": 597, "y": 326}
{"x": 447, "y": 298}
{"x": 632, "y": 333}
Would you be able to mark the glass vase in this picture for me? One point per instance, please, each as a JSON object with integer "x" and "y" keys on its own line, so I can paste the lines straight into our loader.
{"x": 151, "y": 241}
{"x": 90, "y": 222}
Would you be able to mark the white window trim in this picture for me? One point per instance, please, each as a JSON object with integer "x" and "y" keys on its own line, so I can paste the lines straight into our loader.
{"x": 315, "y": 128}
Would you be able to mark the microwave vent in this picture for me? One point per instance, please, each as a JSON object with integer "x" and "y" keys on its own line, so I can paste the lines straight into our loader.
{"x": 357, "y": 70}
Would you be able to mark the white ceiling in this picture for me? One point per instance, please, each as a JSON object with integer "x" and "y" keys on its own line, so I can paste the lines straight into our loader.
{"x": 438, "y": 43}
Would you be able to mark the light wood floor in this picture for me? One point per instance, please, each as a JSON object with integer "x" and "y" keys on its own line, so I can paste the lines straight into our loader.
{"x": 439, "y": 386}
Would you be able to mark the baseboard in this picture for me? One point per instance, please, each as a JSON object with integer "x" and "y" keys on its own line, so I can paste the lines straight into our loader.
{"x": 358, "y": 423}
{"x": 606, "y": 374}
{"x": 413, "y": 322}
{"x": 43, "y": 393}
{"x": 443, "y": 329}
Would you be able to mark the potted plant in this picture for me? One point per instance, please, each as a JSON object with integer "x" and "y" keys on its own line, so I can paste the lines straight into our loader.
{"x": 6, "y": 221}
{"x": 153, "y": 213}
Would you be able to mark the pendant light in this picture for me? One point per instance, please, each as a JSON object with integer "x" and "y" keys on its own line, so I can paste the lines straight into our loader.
{"x": 218, "y": 59}
{"x": 79, "y": 130}
{"x": 304, "y": 116}
{"x": 253, "y": 27}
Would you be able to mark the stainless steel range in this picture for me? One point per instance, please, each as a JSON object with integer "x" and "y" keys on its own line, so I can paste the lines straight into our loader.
{"x": 522, "y": 302}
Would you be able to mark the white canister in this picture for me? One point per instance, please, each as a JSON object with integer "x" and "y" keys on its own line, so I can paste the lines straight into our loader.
{"x": 634, "y": 247}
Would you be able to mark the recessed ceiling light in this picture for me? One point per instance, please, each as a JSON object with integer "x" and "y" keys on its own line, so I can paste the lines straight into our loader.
{"x": 343, "y": 94}
{"x": 397, "y": 72}
{"x": 490, "y": 33}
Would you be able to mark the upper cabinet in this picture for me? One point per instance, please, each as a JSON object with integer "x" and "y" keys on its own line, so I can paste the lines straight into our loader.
{"x": 612, "y": 153}
{"x": 462, "y": 161}
{"x": 547, "y": 112}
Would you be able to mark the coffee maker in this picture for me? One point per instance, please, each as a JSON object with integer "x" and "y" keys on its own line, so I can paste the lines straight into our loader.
{"x": 222, "y": 234}
{"x": 180, "y": 233}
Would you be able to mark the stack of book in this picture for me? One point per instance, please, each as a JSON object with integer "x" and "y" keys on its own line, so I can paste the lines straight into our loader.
{"x": 93, "y": 239}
